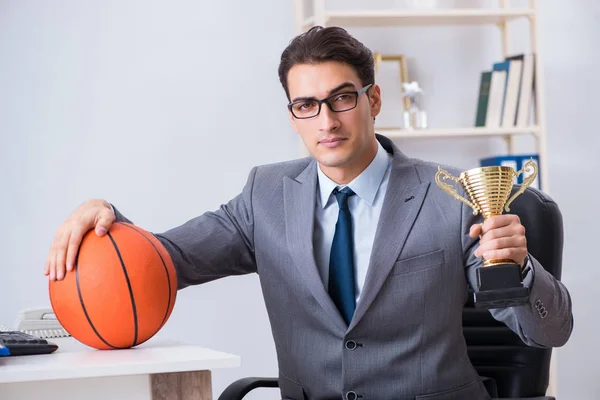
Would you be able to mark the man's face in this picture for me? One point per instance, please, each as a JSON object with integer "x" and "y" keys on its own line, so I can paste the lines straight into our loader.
{"x": 335, "y": 139}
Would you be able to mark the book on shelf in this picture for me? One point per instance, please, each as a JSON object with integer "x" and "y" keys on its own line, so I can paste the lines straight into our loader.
{"x": 497, "y": 88}
{"x": 516, "y": 162}
{"x": 526, "y": 90}
{"x": 484, "y": 97}
{"x": 505, "y": 93}
{"x": 511, "y": 92}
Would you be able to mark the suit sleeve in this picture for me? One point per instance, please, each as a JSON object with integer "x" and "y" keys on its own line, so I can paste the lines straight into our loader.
{"x": 546, "y": 320}
{"x": 214, "y": 245}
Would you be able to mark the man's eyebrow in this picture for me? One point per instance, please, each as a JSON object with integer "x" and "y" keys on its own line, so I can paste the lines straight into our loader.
{"x": 342, "y": 86}
{"x": 332, "y": 91}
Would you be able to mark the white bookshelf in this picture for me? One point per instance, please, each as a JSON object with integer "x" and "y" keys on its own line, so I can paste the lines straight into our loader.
{"x": 418, "y": 18}
{"x": 397, "y": 133}
{"x": 500, "y": 17}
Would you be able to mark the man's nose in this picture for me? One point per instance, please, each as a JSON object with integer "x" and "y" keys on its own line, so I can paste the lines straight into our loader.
{"x": 328, "y": 120}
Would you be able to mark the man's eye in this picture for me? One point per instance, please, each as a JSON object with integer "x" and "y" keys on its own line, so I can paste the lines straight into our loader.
{"x": 306, "y": 105}
{"x": 343, "y": 97}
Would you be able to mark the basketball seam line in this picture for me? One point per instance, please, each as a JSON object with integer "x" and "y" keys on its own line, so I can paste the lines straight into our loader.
{"x": 164, "y": 265}
{"x": 83, "y": 305}
{"x": 135, "y": 319}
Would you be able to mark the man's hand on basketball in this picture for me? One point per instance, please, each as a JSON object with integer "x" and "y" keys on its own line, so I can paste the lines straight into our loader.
{"x": 501, "y": 237}
{"x": 93, "y": 214}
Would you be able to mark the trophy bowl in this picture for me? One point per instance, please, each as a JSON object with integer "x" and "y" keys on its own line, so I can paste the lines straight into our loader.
{"x": 488, "y": 190}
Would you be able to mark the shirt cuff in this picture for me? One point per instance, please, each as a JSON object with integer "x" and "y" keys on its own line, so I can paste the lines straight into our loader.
{"x": 528, "y": 279}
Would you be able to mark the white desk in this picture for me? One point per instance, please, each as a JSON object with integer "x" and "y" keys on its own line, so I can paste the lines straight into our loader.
{"x": 156, "y": 370}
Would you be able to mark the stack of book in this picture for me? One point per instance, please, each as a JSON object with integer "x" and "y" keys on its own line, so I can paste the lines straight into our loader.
{"x": 505, "y": 93}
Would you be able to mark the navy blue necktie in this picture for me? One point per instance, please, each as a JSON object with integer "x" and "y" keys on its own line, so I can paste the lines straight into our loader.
{"x": 341, "y": 261}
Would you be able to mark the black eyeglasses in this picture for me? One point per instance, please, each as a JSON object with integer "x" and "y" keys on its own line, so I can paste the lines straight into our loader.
{"x": 339, "y": 102}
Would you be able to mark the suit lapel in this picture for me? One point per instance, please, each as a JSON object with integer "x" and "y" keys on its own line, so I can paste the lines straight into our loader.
{"x": 402, "y": 203}
{"x": 299, "y": 204}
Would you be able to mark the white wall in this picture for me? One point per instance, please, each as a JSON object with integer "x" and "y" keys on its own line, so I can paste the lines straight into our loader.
{"x": 142, "y": 103}
{"x": 161, "y": 108}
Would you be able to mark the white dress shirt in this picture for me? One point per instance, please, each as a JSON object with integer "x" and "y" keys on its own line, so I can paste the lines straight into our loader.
{"x": 370, "y": 187}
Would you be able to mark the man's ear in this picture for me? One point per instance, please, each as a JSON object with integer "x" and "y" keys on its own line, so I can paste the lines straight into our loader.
{"x": 375, "y": 100}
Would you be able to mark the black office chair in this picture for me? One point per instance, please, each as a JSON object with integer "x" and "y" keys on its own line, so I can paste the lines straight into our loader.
{"x": 508, "y": 367}
{"x": 518, "y": 371}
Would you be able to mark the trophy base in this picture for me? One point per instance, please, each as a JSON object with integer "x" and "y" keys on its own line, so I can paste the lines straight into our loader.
{"x": 500, "y": 287}
{"x": 503, "y": 298}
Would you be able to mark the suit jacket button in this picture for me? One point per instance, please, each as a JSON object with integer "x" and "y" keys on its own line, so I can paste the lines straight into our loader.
{"x": 350, "y": 345}
{"x": 351, "y": 395}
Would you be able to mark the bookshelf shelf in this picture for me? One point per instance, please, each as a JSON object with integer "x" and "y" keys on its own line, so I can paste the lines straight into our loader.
{"x": 394, "y": 133}
{"x": 466, "y": 16}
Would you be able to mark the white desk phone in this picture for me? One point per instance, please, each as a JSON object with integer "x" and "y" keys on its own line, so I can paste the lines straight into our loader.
{"x": 39, "y": 322}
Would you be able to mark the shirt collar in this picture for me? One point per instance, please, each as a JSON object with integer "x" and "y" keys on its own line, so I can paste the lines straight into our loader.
{"x": 364, "y": 185}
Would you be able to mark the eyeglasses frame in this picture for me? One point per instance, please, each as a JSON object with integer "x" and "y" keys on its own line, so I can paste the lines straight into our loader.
{"x": 326, "y": 101}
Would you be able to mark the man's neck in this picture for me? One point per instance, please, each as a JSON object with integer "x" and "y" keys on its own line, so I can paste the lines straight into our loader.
{"x": 346, "y": 173}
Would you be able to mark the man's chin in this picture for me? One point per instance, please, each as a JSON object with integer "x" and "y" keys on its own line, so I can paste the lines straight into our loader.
{"x": 332, "y": 160}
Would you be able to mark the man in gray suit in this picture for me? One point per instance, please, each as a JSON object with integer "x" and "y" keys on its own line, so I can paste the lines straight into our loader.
{"x": 364, "y": 262}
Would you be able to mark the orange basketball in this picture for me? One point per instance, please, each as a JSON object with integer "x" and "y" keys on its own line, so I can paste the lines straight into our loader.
{"x": 121, "y": 292}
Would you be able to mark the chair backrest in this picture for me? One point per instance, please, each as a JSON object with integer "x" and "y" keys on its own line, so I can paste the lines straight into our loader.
{"x": 496, "y": 351}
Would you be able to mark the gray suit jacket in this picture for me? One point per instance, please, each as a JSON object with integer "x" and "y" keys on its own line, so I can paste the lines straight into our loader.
{"x": 405, "y": 340}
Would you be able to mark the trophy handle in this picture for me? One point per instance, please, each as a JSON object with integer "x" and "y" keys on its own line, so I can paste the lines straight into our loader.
{"x": 451, "y": 190}
{"x": 526, "y": 182}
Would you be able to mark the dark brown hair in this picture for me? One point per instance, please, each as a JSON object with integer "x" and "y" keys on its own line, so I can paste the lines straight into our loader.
{"x": 319, "y": 45}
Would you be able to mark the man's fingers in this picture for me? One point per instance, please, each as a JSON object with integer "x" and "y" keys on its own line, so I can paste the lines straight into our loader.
{"x": 499, "y": 221}
{"x": 505, "y": 231}
{"x": 73, "y": 248}
{"x": 93, "y": 214}
{"x": 503, "y": 243}
{"x": 105, "y": 220}
{"x": 61, "y": 256}
{"x": 513, "y": 243}
{"x": 54, "y": 251}
{"x": 47, "y": 266}
{"x": 475, "y": 230}
{"x": 509, "y": 254}
{"x": 53, "y": 266}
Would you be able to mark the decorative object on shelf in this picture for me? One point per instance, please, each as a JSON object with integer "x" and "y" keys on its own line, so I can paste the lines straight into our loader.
{"x": 499, "y": 282}
{"x": 517, "y": 162}
{"x": 414, "y": 117}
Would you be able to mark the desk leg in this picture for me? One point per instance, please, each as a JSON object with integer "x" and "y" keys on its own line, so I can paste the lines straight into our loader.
{"x": 195, "y": 385}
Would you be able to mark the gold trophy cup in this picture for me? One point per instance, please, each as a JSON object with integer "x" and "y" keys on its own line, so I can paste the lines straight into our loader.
{"x": 488, "y": 188}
